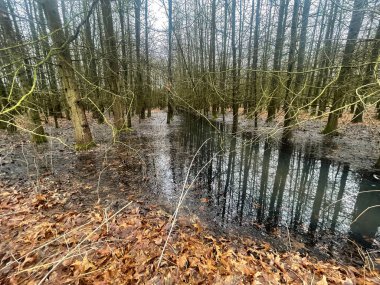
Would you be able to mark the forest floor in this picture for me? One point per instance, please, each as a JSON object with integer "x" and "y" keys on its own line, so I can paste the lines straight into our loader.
{"x": 94, "y": 218}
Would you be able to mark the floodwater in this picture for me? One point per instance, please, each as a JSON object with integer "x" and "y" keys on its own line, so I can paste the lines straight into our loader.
{"x": 245, "y": 181}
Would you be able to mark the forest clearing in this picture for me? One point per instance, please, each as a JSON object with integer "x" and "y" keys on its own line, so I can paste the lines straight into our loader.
{"x": 189, "y": 142}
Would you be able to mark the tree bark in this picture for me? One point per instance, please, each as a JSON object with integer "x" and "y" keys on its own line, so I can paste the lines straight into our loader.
{"x": 248, "y": 85}
{"x": 354, "y": 28}
{"x": 138, "y": 79}
{"x": 19, "y": 54}
{"x": 148, "y": 95}
{"x": 277, "y": 61}
{"x": 235, "y": 80}
{"x": 223, "y": 67}
{"x": 288, "y": 102}
{"x": 82, "y": 132}
{"x": 299, "y": 80}
{"x": 113, "y": 67}
{"x": 170, "y": 74}
{"x": 255, "y": 58}
{"x": 369, "y": 73}
{"x": 377, "y": 165}
{"x": 126, "y": 63}
{"x": 212, "y": 57}
{"x": 92, "y": 70}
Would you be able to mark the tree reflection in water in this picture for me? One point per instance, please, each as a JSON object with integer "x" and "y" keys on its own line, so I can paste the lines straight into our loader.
{"x": 258, "y": 181}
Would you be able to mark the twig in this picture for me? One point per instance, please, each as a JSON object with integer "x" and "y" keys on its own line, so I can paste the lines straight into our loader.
{"x": 45, "y": 244}
{"x": 79, "y": 244}
{"x": 182, "y": 197}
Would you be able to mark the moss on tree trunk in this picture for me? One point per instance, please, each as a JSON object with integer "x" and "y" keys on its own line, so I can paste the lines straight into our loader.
{"x": 377, "y": 165}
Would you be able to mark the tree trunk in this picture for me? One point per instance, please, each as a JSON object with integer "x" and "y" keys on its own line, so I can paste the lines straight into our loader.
{"x": 288, "y": 102}
{"x": 113, "y": 67}
{"x": 235, "y": 80}
{"x": 148, "y": 95}
{"x": 91, "y": 70}
{"x": 212, "y": 57}
{"x": 6, "y": 120}
{"x": 170, "y": 75}
{"x": 248, "y": 85}
{"x": 299, "y": 81}
{"x": 18, "y": 54}
{"x": 354, "y": 28}
{"x": 255, "y": 58}
{"x": 326, "y": 55}
{"x": 138, "y": 79}
{"x": 126, "y": 66}
{"x": 277, "y": 61}
{"x": 83, "y": 137}
{"x": 223, "y": 67}
{"x": 369, "y": 73}
{"x": 58, "y": 100}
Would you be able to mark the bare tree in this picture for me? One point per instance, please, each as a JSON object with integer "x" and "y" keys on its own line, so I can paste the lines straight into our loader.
{"x": 170, "y": 72}
{"x": 113, "y": 66}
{"x": 353, "y": 32}
{"x": 369, "y": 74}
{"x": 138, "y": 80}
{"x": 83, "y": 137}
{"x": 274, "y": 92}
{"x": 24, "y": 73}
{"x": 235, "y": 79}
{"x": 288, "y": 103}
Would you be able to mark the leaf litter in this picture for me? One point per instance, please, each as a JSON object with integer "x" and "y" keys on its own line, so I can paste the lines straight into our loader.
{"x": 42, "y": 242}
{"x": 51, "y": 232}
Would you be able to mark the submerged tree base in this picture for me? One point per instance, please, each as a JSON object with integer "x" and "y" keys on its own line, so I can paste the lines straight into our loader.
{"x": 330, "y": 131}
{"x": 84, "y": 147}
{"x": 39, "y": 139}
{"x": 377, "y": 165}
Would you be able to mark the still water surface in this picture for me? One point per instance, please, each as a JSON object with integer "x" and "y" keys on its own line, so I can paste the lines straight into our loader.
{"x": 245, "y": 181}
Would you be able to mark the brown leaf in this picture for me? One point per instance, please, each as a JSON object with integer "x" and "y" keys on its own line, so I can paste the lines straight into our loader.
{"x": 158, "y": 241}
{"x": 323, "y": 281}
{"x": 182, "y": 261}
{"x": 348, "y": 281}
{"x": 198, "y": 227}
{"x": 83, "y": 266}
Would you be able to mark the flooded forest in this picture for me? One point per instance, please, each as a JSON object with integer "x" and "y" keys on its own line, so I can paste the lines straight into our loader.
{"x": 189, "y": 142}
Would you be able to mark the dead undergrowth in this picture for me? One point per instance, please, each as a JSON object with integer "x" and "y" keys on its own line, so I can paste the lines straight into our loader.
{"x": 45, "y": 243}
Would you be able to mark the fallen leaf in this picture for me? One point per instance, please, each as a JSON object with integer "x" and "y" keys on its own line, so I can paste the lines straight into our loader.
{"x": 323, "y": 281}
{"x": 182, "y": 261}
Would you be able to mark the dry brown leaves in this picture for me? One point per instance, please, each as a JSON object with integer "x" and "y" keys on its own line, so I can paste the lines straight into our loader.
{"x": 93, "y": 247}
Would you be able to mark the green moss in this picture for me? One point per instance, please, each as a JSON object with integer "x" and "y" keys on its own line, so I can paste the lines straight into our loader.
{"x": 84, "y": 147}
{"x": 377, "y": 165}
{"x": 329, "y": 130}
{"x": 3, "y": 125}
{"x": 11, "y": 129}
{"x": 38, "y": 139}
